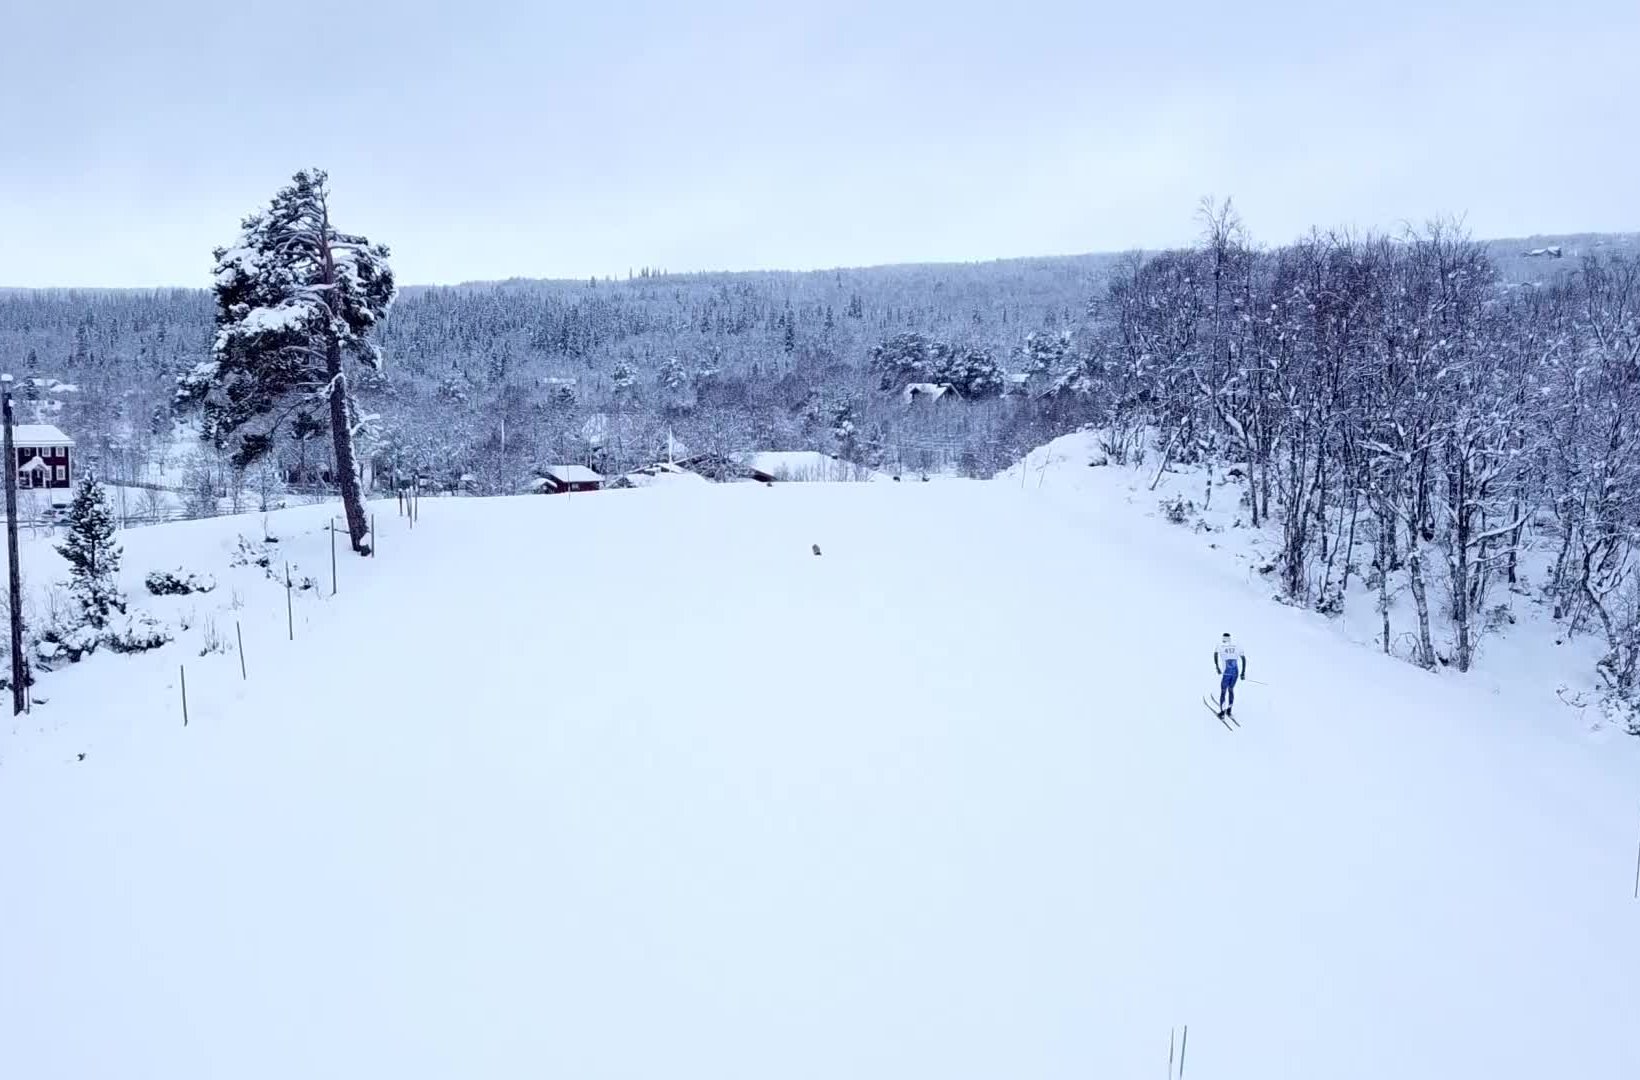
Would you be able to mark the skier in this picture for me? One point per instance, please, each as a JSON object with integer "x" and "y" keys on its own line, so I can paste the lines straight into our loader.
{"x": 1231, "y": 665}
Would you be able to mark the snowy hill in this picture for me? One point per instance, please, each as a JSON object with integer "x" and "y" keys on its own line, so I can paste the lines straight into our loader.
{"x": 1527, "y": 656}
{"x": 634, "y": 784}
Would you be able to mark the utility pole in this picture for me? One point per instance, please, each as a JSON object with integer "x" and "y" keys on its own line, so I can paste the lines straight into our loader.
{"x": 19, "y": 677}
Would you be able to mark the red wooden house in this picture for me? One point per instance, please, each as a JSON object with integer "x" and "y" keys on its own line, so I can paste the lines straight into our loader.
{"x": 45, "y": 457}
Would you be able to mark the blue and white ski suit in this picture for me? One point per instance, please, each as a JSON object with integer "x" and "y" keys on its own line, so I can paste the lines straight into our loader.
{"x": 1231, "y": 665}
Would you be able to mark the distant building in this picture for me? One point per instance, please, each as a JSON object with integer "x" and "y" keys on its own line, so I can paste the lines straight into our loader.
{"x": 661, "y": 473}
{"x": 566, "y": 480}
{"x": 769, "y": 466}
{"x": 922, "y": 393}
{"x": 45, "y": 457}
{"x": 719, "y": 467}
{"x": 45, "y": 396}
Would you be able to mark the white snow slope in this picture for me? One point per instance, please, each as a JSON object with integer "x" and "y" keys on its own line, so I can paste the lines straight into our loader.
{"x": 635, "y": 785}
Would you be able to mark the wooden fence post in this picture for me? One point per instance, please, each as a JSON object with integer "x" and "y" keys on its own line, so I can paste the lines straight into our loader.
{"x": 1637, "y": 872}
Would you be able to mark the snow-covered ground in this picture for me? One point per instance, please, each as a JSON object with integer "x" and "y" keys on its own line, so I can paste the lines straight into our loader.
{"x": 634, "y": 784}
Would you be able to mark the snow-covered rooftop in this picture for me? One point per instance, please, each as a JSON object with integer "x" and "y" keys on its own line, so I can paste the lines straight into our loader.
{"x": 928, "y": 390}
{"x": 39, "y": 435}
{"x": 806, "y": 465}
{"x": 572, "y": 474}
{"x": 664, "y": 473}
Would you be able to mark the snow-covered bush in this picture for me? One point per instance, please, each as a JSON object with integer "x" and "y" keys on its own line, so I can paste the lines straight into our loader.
{"x": 1177, "y": 509}
{"x": 137, "y": 632}
{"x": 250, "y": 553}
{"x": 70, "y": 644}
{"x": 176, "y": 583}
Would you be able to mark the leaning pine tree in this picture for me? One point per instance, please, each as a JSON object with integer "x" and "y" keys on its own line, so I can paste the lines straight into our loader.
{"x": 296, "y": 300}
{"x": 93, "y": 557}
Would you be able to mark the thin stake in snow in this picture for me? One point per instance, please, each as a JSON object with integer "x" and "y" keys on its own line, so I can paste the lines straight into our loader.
{"x": 240, "y": 635}
{"x": 1184, "y": 1041}
{"x": 184, "y": 673}
{"x": 1637, "y": 872}
{"x": 290, "y": 617}
{"x": 1172, "y": 1037}
{"x": 332, "y": 556}
{"x": 372, "y": 536}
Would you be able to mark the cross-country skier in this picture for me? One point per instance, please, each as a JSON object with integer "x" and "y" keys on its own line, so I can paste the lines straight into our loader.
{"x": 1231, "y": 665}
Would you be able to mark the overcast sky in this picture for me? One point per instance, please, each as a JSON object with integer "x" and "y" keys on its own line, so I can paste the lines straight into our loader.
{"x": 502, "y": 138}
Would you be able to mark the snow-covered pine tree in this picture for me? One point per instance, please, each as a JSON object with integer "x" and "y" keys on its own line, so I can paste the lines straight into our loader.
{"x": 296, "y": 299}
{"x": 93, "y": 557}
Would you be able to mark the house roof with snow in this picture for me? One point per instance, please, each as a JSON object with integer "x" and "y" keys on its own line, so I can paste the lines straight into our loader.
{"x": 804, "y": 465}
{"x": 927, "y": 391}
{"x": 661, "y": 473}
{"x": 39, "y": 435}
{"x": 572, "y": 474}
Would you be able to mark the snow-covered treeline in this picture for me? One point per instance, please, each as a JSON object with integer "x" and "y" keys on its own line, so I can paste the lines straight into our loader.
{"x": 487, "y": 381}
{"x": 1394, "y": 396}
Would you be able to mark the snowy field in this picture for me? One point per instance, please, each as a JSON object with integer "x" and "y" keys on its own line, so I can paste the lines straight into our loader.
{"x": 635, "y": 785}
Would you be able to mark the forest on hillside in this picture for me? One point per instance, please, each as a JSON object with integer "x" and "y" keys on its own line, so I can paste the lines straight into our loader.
{"x": 490, "y": 381}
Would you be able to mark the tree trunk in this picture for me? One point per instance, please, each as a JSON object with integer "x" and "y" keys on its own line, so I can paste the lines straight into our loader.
{"x": 1460, "y": 600}
{"x": 1557, "y": 577}
{"x": 1415, "y": 574}
{"x": 1252, "y": 491}
{"x": 1514, "y": 543}
{"x": 1383, "y": 609}
{"x": 347, "y": 474}
{"x": 341, "y": 428}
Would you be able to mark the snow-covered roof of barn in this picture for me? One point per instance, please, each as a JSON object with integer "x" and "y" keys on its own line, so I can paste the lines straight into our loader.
{"x": 39, "y": 435}
{"x": 572, "y": 474}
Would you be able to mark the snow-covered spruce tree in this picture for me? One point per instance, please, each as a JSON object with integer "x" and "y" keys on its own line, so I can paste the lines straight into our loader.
{"x": 296, "y": 299}
{"x": 93, "y": 557}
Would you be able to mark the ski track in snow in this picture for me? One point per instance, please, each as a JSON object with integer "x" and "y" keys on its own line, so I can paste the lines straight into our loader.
{"x": 634, "y": 785}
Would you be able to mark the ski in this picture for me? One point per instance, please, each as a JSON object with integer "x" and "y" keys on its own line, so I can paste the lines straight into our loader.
{"x": 1214, "y": 709}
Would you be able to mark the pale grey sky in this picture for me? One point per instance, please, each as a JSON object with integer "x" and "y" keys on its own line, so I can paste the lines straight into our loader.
{"x": 487, "y": 140}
